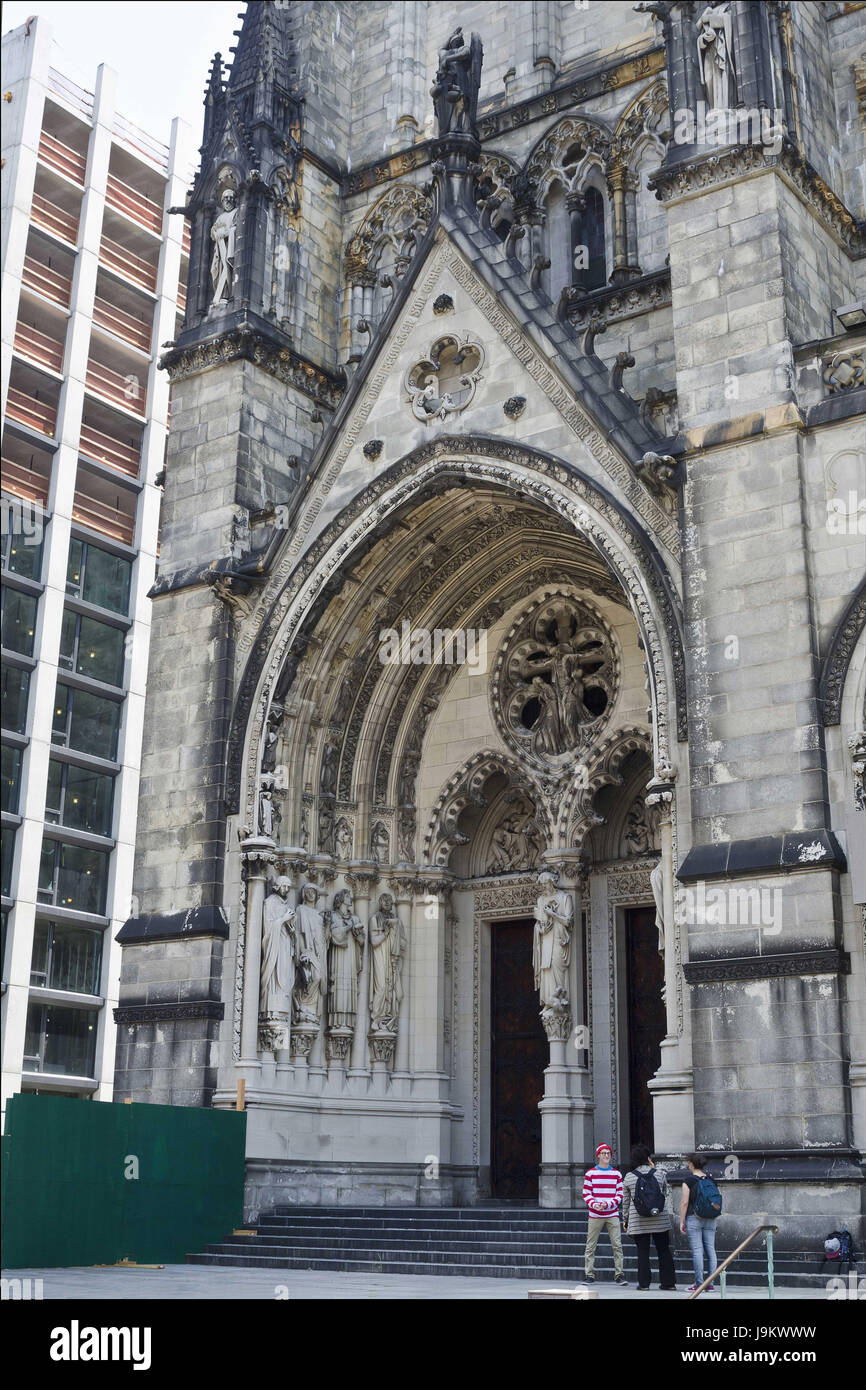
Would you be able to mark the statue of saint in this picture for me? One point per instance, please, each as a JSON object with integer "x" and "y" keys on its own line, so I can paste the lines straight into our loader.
{"x": 551, "y": 942}
{"x": 343, "y": 840}
{"x": 278, "y": 950}
{"x": 222, "y": 266}
{"x": 716, "y": 56}
{"x": 380, "y": 844}
{"x": 388, "y": 946}
{"x": 311, "y": 948}
{"x": 344, "y": 961}
{"x": 458, "y": 79}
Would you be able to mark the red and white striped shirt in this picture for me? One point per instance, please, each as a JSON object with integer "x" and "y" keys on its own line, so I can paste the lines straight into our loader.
{"x": 602, "y": 1191}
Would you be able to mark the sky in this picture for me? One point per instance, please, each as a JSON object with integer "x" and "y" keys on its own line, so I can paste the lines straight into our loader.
{"x": 160, "y": 50}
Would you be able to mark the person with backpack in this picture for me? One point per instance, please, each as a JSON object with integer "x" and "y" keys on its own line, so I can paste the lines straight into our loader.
{"x": 644, "y": 1218}
{"x": 602, "y": 1192}
{"x": 700, "y": 1209}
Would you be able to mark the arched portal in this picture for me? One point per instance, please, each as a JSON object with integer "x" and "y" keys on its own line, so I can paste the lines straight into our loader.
{"x": 468, "y": 663}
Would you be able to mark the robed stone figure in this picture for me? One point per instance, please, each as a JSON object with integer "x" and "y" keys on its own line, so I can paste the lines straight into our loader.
{"x": 222, "y": 266}
{"x": 551, "y": 942}
{"x": 344, "y": 962}
{"x": 387, "y": 948}
{"x": 455, "y": 89}
{"x": 311, "y": 947}
{"x": 716, "y": 56}
{"x": 278, "y": 951}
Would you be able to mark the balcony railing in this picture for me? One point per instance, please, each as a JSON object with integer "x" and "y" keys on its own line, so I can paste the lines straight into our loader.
{"x": 135, "y": 268}
{"x": 142, "y": 210}
{"x": 24, "y": 482}
{"x": 187, "y": 238}
{"x": 49, "y": 283}
{"x": 38, "y": 347}
{"x": 121, "y": 324}
{"x": 62, "y": 158}
{"x": 54, "y": 219}
{"x": 87, "y": 511}
{"x": 38, "y": 415}
{"x": 70, "y": 92}
{"x": 112, "y": 386}
{"x": 106, "y": 449}
{"x": 140, "y": 141}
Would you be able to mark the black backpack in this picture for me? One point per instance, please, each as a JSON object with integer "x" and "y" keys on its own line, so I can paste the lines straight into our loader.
{"x": 845, "y": 1253}
{"x": 708, "y": 1199}
{"x": 648, "y": 1197}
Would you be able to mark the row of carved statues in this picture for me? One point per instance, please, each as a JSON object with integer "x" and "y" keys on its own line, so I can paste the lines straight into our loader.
{"x": 312, "y": 959}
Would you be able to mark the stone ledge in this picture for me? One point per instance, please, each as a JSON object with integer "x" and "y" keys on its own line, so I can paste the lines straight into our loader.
{"x": 174, "y": 926}
{"x": 831, "y": 961}
{"x": 167, "y": 1013}
{"x": 769, "y": 854}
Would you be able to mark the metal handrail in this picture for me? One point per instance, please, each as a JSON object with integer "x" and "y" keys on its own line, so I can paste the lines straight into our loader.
{"x": 720, "y": 1269}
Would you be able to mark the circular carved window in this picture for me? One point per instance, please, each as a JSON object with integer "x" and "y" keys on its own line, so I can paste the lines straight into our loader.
{"x": 555, "y": 681}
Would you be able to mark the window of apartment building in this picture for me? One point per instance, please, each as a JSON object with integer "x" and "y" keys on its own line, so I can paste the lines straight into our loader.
{"x": 10, "y": 777}
{"x": 71, "y": 876}
{"x": 92, "y": 648}
{"x": 88, "y": 723}
{"x": 98, "y": 577}
{"x": 61, "y": 1040}
{"x": 15, "y": 690}
{"x": 7, "y": 854}
{"x": 19, "y": 554}
{"x": 66, "y": 957}
{"x": 79, "y": 798}
{"x": 19, "y": 621}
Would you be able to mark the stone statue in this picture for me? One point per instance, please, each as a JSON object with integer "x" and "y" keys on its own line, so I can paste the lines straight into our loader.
{"x": 716, "y": 56}
{"x": 222, "y": 266}
{"x": 311, "y": 947}
{"x": 388, "y": 946}
{"x": 269, "y": 816}
{"x": 344, "y": 961}
{"x": 657, "y": 885}
{"x": 328, "y": 779}
{"x": 455, "y": 89}
{"x": 637, "y": 833}
{"x": 343, "y": 840}
{"x": 380, "y": 844}
{"x": 278, "y": 951}
{"x": 566, "y": 657}
{"x": 326, "y": 828}
{"x": 551, "y": 943}
{"x": 272, "y": 737}
{"x": 516, "y": 843}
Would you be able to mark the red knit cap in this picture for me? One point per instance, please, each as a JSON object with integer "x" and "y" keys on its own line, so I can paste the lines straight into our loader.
{"x": 603, "y": 1146}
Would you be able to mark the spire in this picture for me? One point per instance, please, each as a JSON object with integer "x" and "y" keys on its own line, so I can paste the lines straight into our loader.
{"x": 214, "y": 97}
{"x": 265, "y": 48}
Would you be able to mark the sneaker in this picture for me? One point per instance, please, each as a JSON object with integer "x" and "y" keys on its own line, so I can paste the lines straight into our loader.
{"x": 668, "y": 1288}
{"x": 589, "y": 1279}
{"x": 620, "y": 1279}
{"x": 692, "y": 1288}
{"x": 711, "y": 1288}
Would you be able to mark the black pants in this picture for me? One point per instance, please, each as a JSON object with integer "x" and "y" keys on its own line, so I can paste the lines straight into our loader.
{"x": 667, "y": 1273}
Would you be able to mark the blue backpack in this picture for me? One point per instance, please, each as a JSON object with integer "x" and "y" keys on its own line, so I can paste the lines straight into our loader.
{"x": 708, "y": 1199}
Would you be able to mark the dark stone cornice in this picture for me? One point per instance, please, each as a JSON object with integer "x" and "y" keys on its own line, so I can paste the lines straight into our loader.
{"x": 248, "y": 343}
{"x": 831, "y": 961}
{"x": 765, "y": 854}
{"x": 615, "y": 302}
{"x": 565, "y": 98}
{"x": 169, "y": 1013}
{"x": 173, "y": 926}
{"x": 715, "y": 167}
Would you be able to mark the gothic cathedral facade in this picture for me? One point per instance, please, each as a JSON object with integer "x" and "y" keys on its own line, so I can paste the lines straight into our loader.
{"x": 502, "y": 785}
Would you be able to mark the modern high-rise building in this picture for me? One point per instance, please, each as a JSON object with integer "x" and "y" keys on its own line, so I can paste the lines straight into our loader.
{"x": 94, "y": 271}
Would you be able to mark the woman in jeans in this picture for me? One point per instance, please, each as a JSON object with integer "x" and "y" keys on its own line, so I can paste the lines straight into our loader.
{"x": 700, "y": 1230}
{"x": 644, "y": 1228}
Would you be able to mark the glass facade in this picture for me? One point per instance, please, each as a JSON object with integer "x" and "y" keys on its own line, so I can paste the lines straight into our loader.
{"x": 21, "y": 551}
{"x": 7, "y": 854}
{"x": 79, "y": 798}
{"x": 15, "y": 690}
{"x": 60, "y": 1040}
{"x": 19, "y": 621}
{"x": 10, "y": 778}
{"x": 88, "y": 723}
{"x": 98, "y": 577}
{"x": 70, "y": 876}
{"x": 91, "y": 648}
{"x": 66, "y": 957}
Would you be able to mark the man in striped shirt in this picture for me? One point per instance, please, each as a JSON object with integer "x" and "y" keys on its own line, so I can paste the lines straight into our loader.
{"x": 602, "y": 1192}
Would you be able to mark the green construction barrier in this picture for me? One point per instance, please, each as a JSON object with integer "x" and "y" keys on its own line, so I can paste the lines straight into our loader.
{"x": 87, "y": 1183}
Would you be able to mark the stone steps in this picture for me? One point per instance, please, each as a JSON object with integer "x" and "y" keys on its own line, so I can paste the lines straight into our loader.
{"x": 492, "y": 1242}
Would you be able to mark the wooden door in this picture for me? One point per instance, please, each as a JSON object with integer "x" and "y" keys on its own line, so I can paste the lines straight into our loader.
{"x": 519, "y": 1054}
{"x": 646, "y": 1021}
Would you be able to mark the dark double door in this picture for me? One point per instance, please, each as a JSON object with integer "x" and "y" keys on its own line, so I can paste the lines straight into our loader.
{"x": 646, "y": 1021}
{"x": 519, "y": 1055}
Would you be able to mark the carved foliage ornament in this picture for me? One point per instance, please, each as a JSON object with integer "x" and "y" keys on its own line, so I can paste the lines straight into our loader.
{"x": 444, "y": 383}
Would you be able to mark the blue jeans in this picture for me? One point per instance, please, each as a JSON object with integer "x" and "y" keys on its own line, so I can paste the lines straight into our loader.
{"x": 702, "y": 1238}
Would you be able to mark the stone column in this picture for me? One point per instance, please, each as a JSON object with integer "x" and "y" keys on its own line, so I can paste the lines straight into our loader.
{"x": 362, "y": 876}
{"x": 258, "y": 855}
{"x": 428, "y": 986}
{"x": 672, "y": 1086}
{"x": 576, "y": 206}
{"x": 617, "y": 182}
{"x": 404, "y": 889}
